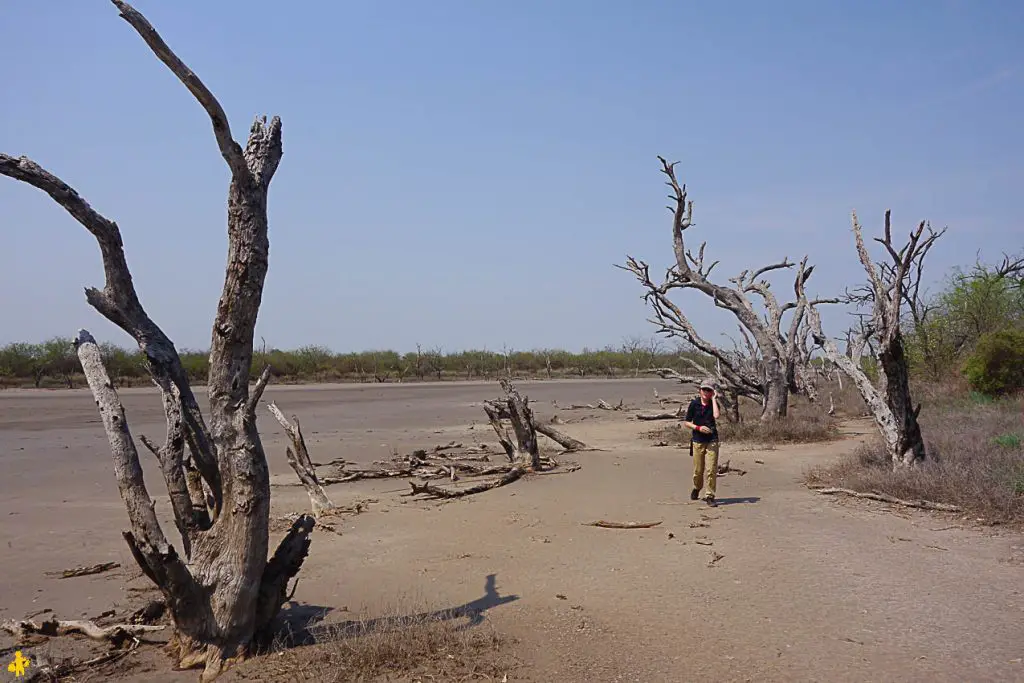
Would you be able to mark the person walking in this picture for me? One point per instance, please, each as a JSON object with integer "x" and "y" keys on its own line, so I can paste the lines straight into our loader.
{"x": 701, "y": 417}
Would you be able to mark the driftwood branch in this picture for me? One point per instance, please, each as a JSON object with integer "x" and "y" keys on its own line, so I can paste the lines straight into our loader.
{"x": 883, "y": 498}
{"x": 298, "y": 458}
{"x": 570, "y": 444}
{"x": 605, "y": 524}
{"x": 85, "y": 571}
{"x": 600, "y": 405}
{"x": 116, "y": 635}
{"x": 432, "y": 491}
{"x": 659, "y": 416}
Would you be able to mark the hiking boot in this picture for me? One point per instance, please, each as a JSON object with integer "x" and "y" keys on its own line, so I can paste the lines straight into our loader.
{"x": 710, "y": 500}
{"x": 694, "y": 494}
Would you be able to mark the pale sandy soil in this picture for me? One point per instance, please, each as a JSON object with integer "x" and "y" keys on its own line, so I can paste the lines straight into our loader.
{"x": 807, "y": 589}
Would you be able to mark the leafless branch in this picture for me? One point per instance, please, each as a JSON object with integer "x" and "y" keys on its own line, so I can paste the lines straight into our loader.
{"x": 298, "y": 458}
{"x": 119, "y": 303}
{"x": 229, "y": 149}
{"x": 159, "y": 555}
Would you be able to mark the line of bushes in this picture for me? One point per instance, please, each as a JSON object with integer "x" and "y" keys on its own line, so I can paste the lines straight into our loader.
{"x": 54, "y": 364}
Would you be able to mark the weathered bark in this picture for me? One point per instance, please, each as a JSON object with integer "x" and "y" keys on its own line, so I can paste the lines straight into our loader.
{"x": 767, "y": 368}
{"x": 223, "y": 590}
{"x": 298, "y": 458}
{"x": 521, "y": 443}
{"x": 890, "y": 403}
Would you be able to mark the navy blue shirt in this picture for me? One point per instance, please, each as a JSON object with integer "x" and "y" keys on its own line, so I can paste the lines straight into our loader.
{"x": 702, "y": 416}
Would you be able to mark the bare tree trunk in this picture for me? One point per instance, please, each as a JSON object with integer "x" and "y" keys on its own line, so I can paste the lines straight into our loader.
{"x": 732, "y": 406}
{"x": 298, "y": 458}
{"x": 224, "y": 593}
{"x": 908, "y": 445}
{"x": 776, "y": 403}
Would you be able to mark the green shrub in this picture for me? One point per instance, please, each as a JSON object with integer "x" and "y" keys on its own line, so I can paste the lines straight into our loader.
{"x": 1009, "y": 440}
{"x": 997, "y": 365}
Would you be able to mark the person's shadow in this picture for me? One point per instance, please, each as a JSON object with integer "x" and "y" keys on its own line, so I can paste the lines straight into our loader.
{"x": 308, "y": 625}
{"x": 735, "y": 501}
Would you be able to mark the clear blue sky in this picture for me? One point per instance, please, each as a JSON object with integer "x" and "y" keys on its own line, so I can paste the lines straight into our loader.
{"x": 444, "y": 157}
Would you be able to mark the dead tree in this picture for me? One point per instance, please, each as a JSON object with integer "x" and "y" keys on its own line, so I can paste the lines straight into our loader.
{"x": 298, "y": 458}
{"x": 520, "y": 443}
{"x": 770, "y": 371}
{"x": 223, "y": 593}
{"x": 890, "y": 403}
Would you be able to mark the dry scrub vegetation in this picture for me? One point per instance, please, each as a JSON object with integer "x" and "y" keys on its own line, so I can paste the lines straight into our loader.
{"x": 976, "y": 448}
{"x": 431, "y": 646}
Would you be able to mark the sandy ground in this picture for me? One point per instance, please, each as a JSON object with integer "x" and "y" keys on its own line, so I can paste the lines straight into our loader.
{"x": 807, "y": 588}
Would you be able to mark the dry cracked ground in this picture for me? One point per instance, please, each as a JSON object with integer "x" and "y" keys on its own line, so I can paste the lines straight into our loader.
{"x": 776, "y": 584}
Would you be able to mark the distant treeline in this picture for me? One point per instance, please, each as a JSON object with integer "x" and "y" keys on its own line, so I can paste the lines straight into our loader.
{"x": 54, "y": 364}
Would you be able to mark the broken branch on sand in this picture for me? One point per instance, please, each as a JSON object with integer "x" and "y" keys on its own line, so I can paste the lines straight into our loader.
{"x": 85, "y": 571}
{"x": 881, "y": 497}
{"x": 116, "y": 634}
{"x": 605, "y": 524}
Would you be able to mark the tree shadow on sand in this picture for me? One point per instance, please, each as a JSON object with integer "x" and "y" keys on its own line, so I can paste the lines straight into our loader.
{"x": 305, "y": 624}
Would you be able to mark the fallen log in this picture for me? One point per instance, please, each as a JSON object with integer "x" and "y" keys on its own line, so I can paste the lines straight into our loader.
{"x": 605, "y": 524}
{"x": 883, "y": 498}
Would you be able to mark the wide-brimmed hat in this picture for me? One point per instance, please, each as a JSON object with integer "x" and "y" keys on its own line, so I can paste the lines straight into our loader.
{"x": 706, "y": 384}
